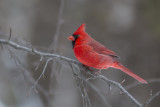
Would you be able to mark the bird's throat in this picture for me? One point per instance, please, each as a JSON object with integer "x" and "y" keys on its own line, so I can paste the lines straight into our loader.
{"x": 74, "y": 42}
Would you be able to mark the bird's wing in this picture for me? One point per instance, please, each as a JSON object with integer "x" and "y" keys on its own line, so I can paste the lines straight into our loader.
{"x": 99, "y": 48}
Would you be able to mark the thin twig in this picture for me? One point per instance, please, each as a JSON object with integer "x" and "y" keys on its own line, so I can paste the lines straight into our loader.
{"x": 27, "y": 74}
{"x": 40, "y": 61}
{"x": 103, "y": 98}
{"x": 138, "y": 83}
{"x": 42, "y": 74}
{"x": 151, "y": 98}
{"x": 10, "y": 33}
{"x": 85, "y": 96}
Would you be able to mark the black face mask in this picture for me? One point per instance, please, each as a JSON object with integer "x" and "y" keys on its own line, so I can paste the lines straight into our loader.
{"x": 75, "y": 38}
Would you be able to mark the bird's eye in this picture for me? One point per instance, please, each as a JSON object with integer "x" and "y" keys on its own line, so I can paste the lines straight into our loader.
{"x": 76, "y": 36}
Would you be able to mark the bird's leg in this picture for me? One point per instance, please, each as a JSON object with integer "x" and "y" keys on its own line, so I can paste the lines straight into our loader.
{"x": 99, "y": 71}
{"x": 87, "y": 68}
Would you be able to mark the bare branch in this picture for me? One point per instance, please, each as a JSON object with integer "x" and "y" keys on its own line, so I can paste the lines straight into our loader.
{"x": 108, "y": 81}
{"x": 71, "y": 61}
{"x": 85, "y": 97}
{"x": 81, "y": 85}
{"x": 35, "y": 52}
{"x": 59, "y": 22}
{"x": 138, "y": 83}
{"x": 54, "y": 44}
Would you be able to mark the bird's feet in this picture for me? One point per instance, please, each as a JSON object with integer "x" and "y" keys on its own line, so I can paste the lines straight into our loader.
{"x": 97, "y": 72}
{"x": 92, "y": 71}
{"x": 87, "y": 68}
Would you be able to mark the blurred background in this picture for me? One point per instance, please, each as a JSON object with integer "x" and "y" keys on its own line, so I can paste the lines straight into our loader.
{"x": 131, "y": 28}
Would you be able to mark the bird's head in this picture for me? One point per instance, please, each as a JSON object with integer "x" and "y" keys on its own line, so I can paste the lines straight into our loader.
{"x": 79, "y": 35}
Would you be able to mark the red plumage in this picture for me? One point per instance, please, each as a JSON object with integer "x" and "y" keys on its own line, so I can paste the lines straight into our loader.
{"x": 93, "y": 54}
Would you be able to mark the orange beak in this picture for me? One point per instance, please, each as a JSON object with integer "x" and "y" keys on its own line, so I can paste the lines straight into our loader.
{"x": 71, "y": 38}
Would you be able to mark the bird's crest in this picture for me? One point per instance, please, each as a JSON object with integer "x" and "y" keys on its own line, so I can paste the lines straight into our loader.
{"x": 80, "y": 29}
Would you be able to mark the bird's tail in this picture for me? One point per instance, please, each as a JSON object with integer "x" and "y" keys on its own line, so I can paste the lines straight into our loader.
{"x": 117, "y": 65}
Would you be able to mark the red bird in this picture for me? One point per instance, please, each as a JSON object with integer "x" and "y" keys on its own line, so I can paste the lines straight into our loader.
{"x": 93, "y": 54}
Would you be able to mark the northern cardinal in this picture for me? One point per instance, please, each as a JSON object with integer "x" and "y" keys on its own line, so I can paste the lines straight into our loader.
{"x": 93, "y": 54}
